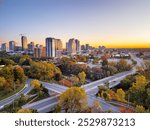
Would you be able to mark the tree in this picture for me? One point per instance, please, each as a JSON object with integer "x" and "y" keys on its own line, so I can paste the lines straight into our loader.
{"x": 24, "y": 111}
{"x": 82, "y": 77}
{"x": 25, "y": 60}
{"x": 36, "y": 84}
{"x": 70, "y": 66}
{"x": 100, "y": 89}
{"x": 23, "y": 99}
{"x": 44, "y": 71}
{"x": 73, "y": 100}
{"x": 122, "y": 65}
{"x": 74, "y": 80}
{"x": 120, "y": 95}
{"x": 139, "y": 109}
{"x": 134, "y": 62}
{"x": 127, "y": 82}
{"x": 144, "y": 70}
{"x": 95, "y": 73}
{"x": 105, "y": 95}
{"x": 96, "y": 107}
{"x": 104, "y": 60}
{"x": 107, "y": 84}
{"x": 6, "y": 62}
{"x": 19, "y": 74}
{"x": 140, "y": 83}
{"x": 95, "y": 61}
{"x": 139, "y": 92}
{"x": 2, "y": 82}
{"x": 7, "y": 72}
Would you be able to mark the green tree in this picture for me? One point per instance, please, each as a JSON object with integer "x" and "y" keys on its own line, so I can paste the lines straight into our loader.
{"x": 6, "y": 62}
{"x": 100, "y": 89}
{"x": 139, "y": 92}
{"x": 25, "y": 60}
{"x": 105, "y": 95}
{"x": 7, "y": 72}
{"x": 127, "y": 82}
{"x": 19, "y": 74}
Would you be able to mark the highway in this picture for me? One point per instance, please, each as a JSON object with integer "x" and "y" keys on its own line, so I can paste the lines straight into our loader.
{"x": 27, "y": 88}
{"x": 138, "y": 60}
{"x": 91, "y": 89}
{"x": 105, "y": 105}
{"x": 49, "y": 104}
{"x": 44, "y": 105}
{"x": 54, "y": 87}
{"x": 94, "y": 90}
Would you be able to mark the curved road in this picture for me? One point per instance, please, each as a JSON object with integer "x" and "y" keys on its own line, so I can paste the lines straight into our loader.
{"x": 90, "y": 89}
{"x": 27, "y": 88}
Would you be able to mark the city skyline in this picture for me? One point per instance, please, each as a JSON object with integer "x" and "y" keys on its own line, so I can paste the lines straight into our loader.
{"x": 114, "y": 24}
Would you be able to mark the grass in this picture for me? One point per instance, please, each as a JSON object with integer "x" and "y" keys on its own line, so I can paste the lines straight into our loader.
{"x": 4, "y": 96}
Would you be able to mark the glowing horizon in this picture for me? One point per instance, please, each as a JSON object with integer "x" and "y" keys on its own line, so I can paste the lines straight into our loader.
{"x": 93, "y": 43}
{"x": 114, "y": 24}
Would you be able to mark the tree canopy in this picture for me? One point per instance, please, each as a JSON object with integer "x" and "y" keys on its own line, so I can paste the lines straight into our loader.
{"x": 44, "y": 71}
{"x": 73, "y": 100}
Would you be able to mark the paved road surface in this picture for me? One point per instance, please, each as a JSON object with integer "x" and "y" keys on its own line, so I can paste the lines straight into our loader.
{"x": 44, "y": 105}
{"x": 54, "y": 87}
{"x": 91, "y": 89}
{"x": 48, "y": 104}
{"x": 10, "y": 99}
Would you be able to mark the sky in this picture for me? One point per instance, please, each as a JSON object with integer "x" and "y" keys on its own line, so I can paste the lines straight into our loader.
{"x": 112, "y": 23}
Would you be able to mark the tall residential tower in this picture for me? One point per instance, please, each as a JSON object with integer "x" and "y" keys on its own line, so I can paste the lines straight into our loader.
{"x": 73, "y": 46}
{"x": 12, "y": 45}
{"x": 53, "y": 47}
{"x": 24, "y": 43}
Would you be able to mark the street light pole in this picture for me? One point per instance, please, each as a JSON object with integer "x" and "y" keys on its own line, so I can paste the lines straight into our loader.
{"x": 128, "y": 99}
{"x": 15, "y": 92}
